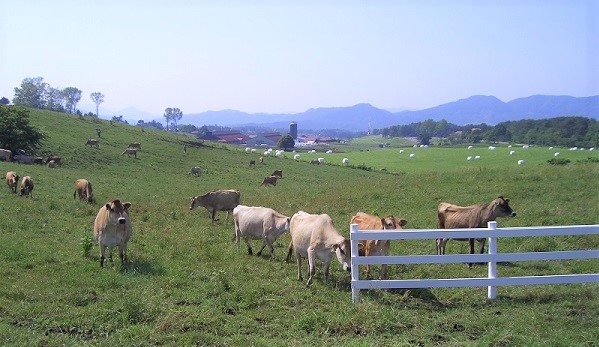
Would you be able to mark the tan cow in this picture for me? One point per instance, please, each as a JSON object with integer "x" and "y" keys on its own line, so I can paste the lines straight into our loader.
{"x": 112, "y": 228}
{"x": 130, "y": 151}
{"x": 83, "y": 188}
{"x": 269, "y": 180}
{"x": 12, "y": 180}
{"x": 26, "y": 186}
{"x": 278, "y": 173}
{"x": 376, "y": 247}
{"x": 135, "y": 145}
{"x": 315, "y": 236}
{"x": 451, "y": 216}
{"x": 93, "y": 142}
{"x": 259, "y": 223}
{"x": 217, "y": 200}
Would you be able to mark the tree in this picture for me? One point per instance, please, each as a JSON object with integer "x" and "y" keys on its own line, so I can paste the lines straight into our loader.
{"x": 71, "y": 96}
{"x": 286, "y": 142}
{"x": 54, "y": 99}
{"x": 4, "y": 101}
{"x": 31, "y": 93}
{"x": 15, "y": 130}
{"x": 426, "y": 130}
{"x": 172, "y": 115}
{"x": 97, "y": 98}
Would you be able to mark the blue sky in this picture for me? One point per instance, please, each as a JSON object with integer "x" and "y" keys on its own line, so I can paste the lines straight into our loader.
{"x": 289, "y": 56}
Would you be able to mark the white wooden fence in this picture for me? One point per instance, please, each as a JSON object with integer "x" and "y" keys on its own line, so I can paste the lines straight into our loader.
{"x": 492, "y": 280}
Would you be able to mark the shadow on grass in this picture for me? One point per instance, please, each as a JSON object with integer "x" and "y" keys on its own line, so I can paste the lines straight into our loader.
{"x": 141, "y": 267}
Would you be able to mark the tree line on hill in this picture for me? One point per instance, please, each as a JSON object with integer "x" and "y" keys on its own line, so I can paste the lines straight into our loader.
{"x": 559, "y": 131}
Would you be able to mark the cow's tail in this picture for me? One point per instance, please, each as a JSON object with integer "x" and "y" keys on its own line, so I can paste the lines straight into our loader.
{"x": 289, "y": 252}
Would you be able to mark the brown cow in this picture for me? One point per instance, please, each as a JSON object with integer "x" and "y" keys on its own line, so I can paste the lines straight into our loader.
{"x": 269, "y": 180}
{"x": 217, "y": 200}
{"x": 54, "y": 158}
{"x": 278, "y": 173}
{"x": 83, "y": 188}
{"x": 93, "y": 142}
{"x": 26, "y": 186}
{"x": 451, "y": 216}
{"x": 376, "y": 247}
{"x": 12, "y": 180}
{"x": 112, "y": 228}
{"x": 130, "y": 151}
{"x": 315, "y": 236}
{"x": 252, "y": 163}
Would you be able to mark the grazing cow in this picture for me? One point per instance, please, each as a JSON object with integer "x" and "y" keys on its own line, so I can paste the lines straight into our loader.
{"x": 135, "y": 145}
{"x": 252, "y": 163}
{"x": 376, "y": 247}
{"x": 5, "y": 154}
{"x": 112, "y": 228}
{"x": 451, "y": 216}
{"x": 12, "y": 179}
{"x": 196, "y": 171}
{"x": 259, "y": 223}
{"x": 217, "y": 200}
{"x": 512, "y": 152}
{"x": 278, "y": 173}
{"x": 412, "y": 155}
{"x": 93, "y": 142}
{"x": 520, "y": 162}
{"x": 38, "y": 160}
{"x": 315, "y": 236}
{"x": 296, "y": 156}
{"x": 54, "y": 158}
{"x": 261, "y": 160}
{"x": 321, "y": 160}
{"x": 345, "y": 161}
{"x": 269, "y": 180}
{"x": 83, "y": 188}
{"x": 26, "y": 186}
{"x": 51, "y": 164}
{"x": 248, "y": 150}
{"x": 469, "y": 157}
{"x": 556, "y": 154}
{"x": 315, "y": 162}
{"x": 130, "y": 151}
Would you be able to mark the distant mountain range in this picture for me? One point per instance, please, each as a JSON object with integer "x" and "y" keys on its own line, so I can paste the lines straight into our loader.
{"x": 473, "y": 110}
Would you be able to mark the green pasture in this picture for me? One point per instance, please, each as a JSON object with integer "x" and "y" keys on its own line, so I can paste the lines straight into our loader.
{"x": 188, "y": 284}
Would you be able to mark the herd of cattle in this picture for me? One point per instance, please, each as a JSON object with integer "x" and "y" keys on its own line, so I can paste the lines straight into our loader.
{"x": 313, "y": 236}
{"x": 316, "y": 237}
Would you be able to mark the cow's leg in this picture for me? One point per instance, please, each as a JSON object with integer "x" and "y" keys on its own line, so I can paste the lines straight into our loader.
{"x": 102, "y": 252}
{"x": 481, "y": 243}
{"x": 247, "y": 243}
{"x": 123, "y": 253}
{"x": 311, "y": 266}
{"x": 299, "y": 267}
{"x": 471, "y": 244}
{"x": 325, "y": 269}
{"x": 441, "y": 246}
{"x": 262, "y": 248}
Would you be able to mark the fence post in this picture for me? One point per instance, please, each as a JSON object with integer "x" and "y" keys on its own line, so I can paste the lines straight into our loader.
{"x": 492, "y": 271}
{"x": 355, "y": 271}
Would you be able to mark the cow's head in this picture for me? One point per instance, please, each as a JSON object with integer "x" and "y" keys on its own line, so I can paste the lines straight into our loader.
{"x": 343, "y": 252}
{"x": 118, "y": 212}
{"x": 502, "y": 208}
{"x": 390, "y": 222}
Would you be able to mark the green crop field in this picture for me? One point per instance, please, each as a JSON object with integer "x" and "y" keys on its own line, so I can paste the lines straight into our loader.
{"x": 187, "y": 284}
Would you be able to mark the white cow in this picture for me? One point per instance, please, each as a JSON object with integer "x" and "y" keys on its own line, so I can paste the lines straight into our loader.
{"x": 321, "y": 160}
{"x": 259, "y": 223}
{"x": 512, "y": 152}
{"x": 248, "y": 150}
{"x": 520, "y": 162}
{"x": 296, "y": 156}
{"x": 477, "y": 157}
{"x": 556, "y": 154}
{"x": 412, "y": 155}
{"x": 345, "y": 161}
{"x": 315, "y": 236}
{"x": 401, "y": 151}
{"x": 469, "y": 147}
{"x": 469, "y": 157}
{"x": 329, "y": 151}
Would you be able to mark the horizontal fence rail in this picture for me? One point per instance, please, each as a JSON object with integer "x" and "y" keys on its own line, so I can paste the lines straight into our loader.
{"x": 492, "y": 258}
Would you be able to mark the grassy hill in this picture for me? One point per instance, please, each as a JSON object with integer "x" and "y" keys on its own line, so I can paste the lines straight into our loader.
{"x": 188, "y": 284}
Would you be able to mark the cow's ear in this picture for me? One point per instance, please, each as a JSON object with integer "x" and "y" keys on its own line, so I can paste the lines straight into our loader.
{"x": 383, "y": 223}
{"x": 507, "y": 200}
{"x": 108, "y": 207}
{"x": 403, "y": 222}
{"x": 127, "y": 205}
{"x": 335, "y": 246}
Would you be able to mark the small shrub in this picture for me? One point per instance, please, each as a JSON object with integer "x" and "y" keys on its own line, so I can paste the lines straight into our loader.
{"x": 558, "y": 161}
{"x": 589, "y": 160}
